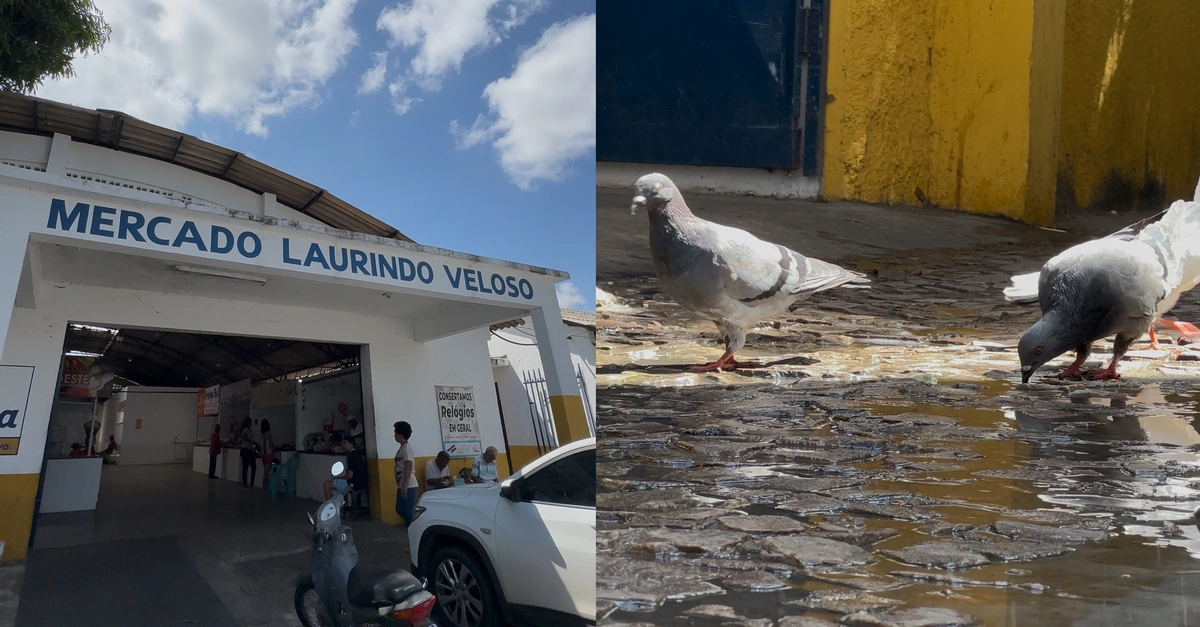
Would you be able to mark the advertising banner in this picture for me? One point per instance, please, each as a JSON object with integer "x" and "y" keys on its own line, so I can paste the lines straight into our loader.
{"x": 15, "y": 382}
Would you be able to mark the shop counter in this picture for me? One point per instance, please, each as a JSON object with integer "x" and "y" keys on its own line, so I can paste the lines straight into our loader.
{"x": 312, "y": 470}
{"x": 229, "y": 463}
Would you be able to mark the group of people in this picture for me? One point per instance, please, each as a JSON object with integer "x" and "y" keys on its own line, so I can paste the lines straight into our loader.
{"x": 251, "y": 449}
{"x": 437, "y": 471}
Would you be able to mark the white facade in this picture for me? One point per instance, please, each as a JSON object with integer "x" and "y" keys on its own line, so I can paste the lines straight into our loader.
{"x": 517, "y": 364}
{"x": 93, "y": 235}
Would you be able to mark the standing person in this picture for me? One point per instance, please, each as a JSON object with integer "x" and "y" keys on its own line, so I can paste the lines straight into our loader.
{"x": 214, "y": 449}
{"x": 249, "y": 467}
{"x": 406, "y": 474}
{"x": 268, "y": 448}
{"x": 483, "y": 469}
{"x": 437, "y": 472}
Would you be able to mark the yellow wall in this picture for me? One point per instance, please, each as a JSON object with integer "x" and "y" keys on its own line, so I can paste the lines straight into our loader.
{"x": 1130, "y": 124}
{"x": 17, "y": 496}
{"x": 933, "y": 102}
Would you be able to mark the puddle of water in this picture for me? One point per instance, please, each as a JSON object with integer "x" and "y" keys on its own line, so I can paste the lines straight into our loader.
{"x": 971, "y": 453}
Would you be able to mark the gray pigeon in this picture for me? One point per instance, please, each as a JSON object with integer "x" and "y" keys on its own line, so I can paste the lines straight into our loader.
{"x": 1024, "y": 287}
{"x": 1111, "y": 286}
{"x": 725, "y": 274}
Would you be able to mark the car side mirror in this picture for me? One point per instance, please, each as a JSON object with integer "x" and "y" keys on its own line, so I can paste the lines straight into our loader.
{"x": 511, "y": 490}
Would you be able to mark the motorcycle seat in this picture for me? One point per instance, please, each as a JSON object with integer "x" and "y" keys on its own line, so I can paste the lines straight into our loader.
{"x": 380, "y": 587}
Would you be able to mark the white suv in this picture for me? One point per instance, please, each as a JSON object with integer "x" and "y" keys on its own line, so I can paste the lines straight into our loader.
{"x": 522, "y": 552}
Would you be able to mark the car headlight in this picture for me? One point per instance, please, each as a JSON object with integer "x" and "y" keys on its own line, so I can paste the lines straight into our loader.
{"x": 417, "y": 511}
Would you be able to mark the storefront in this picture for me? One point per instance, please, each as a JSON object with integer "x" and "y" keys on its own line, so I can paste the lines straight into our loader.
{"x": 109, "y": 221}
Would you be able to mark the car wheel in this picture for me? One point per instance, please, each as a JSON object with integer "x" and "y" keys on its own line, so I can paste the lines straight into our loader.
{"x": 465, "y": 594}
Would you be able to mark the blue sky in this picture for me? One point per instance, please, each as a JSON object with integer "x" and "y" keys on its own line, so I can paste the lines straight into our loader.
{"x": 422, "y": 142}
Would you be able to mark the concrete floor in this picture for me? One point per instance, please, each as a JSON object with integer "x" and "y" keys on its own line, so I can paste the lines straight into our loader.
{"x": 166, "y": 545}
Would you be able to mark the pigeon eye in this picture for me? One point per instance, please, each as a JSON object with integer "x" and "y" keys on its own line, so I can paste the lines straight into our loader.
{"x": 1037, "y": 351}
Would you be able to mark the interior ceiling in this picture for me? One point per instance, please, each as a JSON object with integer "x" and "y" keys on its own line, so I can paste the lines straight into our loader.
{"x": 161, "y": 358}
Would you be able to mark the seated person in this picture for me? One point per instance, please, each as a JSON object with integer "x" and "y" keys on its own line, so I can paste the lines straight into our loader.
{"x": 437, "y": 472}
{"x": 354, "y": 475}
{"x": 483, "y": 469}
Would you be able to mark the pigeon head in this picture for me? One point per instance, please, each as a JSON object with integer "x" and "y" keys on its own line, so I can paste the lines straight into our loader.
{"x": 1042, "y": 342}
{"x": 653, "y": 190}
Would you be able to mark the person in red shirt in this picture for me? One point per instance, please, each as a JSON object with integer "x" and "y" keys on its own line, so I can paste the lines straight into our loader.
{"x": 214, "y": 449}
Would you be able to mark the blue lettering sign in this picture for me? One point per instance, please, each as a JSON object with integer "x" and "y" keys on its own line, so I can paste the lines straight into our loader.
{"x": 388, "y": 267}
{"x": 287, "y": 255}
{"x": 152, "y": 230}
{"x": 63, "y": 222}
{"x": 244, "y": 249}
{"x": 408, "y": 271}
{"x": 215, "y": 244}
{"x": 425, "y": 273}
{"x": 131, "y": 224}
{"x": 358, "y": 262}
{"x": 498, "y": 284}
{"x": 315, "y": 256}
{"x": 455, "y": 278}
{"x": 471, "y": 281}
{"x": 340, "y": 267}
{"x": 525, "y": 285}
{"x": 99, "y": 221}
{"x": 189, "y": 234}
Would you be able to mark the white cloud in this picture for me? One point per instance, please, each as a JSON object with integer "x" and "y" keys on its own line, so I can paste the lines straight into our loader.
{"x": 401, "y": 103}
{"x": 569, "y": 296}
{"x": 169, "y": 60}
{"x": 543, "y": 116}
{"x": 372, "y": 80}
{"x": 444, "y": 33}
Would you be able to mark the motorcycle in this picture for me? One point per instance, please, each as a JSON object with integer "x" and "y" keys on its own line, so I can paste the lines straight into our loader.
{"x": 338, "y": 592}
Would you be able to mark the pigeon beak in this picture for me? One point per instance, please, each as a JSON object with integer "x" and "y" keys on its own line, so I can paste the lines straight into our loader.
{"x": 638, "y": 201}
{"x": 1026, "y": 372}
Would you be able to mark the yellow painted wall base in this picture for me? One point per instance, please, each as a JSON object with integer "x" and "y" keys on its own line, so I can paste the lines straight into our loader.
{"x": 382, "y": 476}
{"x": 18, "y": 494}
{"x": 570, "y": 418}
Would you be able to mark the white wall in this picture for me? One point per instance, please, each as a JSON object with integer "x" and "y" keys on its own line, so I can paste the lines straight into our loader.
{"x": 518, "y": 345}
{"x": 167, "y": 415}
{"x": 276, "y": 402}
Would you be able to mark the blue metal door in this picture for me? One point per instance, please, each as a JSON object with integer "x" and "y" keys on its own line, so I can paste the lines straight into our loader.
{"x": 710, "y": 82}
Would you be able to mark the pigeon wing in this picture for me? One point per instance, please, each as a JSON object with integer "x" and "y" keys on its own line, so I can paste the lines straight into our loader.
{"x": 752, "y": 270}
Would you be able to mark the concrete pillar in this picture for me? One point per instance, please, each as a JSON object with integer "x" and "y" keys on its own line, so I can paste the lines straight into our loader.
{"x": 34, "y": 338}
{"x": 570, "y": 417}
{"x": 945, "y": 103}
{"x": 60, "y": 151}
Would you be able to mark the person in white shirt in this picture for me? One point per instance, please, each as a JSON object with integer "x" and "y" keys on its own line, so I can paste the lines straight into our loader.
{"x": 483, "y": 469}
{"x": 437, "y": 472}
{"x": 406, "y": 475}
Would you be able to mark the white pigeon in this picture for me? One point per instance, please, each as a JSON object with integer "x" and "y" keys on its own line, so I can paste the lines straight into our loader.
{"x": 1112, "y": 286}
{"x": 726, "y": 274}
{"x": 1024, "y": 287}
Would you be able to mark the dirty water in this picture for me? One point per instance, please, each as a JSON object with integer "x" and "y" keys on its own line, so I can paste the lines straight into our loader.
{"x": 883, "y": 465}
{"x": 1040, "y": 506}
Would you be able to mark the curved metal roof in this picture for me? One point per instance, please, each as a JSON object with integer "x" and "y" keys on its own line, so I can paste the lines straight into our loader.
{"x": 119, "y": 131}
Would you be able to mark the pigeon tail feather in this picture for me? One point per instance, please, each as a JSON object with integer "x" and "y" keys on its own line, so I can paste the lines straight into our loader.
{"x": 1024, "y": 288}
{"x": 822, "y": 275}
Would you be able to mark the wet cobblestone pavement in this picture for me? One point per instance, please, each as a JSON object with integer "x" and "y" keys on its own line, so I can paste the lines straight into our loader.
{"x": 883, "y": 465}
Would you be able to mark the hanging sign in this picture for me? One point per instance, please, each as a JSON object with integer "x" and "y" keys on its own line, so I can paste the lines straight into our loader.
{"x": 208, "y": 401}
{"x": 460, "y": 428}
{"x": 15, "y": 382}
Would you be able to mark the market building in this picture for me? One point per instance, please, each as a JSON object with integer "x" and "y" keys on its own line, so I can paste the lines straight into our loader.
{"x": 161, "y": 285}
